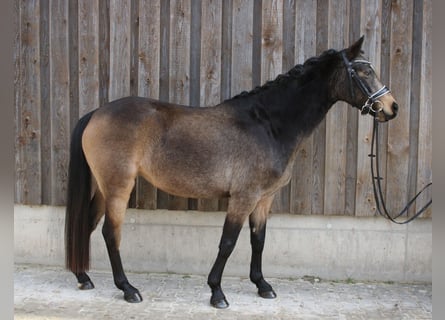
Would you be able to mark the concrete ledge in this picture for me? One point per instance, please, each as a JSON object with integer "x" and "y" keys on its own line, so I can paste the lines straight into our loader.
{"x": 335, "y": 248}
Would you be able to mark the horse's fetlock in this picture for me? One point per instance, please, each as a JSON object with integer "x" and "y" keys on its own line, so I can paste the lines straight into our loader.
{"x": 256, "y": 277}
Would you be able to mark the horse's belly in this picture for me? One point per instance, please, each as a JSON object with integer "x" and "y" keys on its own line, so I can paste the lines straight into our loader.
{"x": 186, "y": 179}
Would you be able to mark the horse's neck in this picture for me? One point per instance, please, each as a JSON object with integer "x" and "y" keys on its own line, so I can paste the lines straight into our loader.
{"x": 296, "y": 113}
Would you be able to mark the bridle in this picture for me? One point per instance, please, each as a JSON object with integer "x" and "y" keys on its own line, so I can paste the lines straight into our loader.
{"x": 373, "y": 104}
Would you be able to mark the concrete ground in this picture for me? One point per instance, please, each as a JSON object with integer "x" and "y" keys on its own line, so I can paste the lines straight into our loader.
{"x": 51, "y": 293}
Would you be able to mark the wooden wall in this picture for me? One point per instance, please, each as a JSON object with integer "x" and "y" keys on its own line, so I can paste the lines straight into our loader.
{"x": 72, "y": 56}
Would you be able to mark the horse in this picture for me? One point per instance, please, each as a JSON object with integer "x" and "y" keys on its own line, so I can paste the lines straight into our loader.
{"x": 243, "y": 149}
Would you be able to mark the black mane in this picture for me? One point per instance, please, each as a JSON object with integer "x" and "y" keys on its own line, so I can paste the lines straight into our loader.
{"x": 296, "y": 73}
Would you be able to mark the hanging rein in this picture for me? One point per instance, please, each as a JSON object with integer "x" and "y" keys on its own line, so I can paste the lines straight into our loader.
{"x": 373, "y": 106}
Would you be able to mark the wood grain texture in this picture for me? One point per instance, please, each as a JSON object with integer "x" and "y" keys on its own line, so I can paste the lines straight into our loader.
{"x": 88, "y": 18}
{"x": 28, "y": 132}
{"x": 398, "y": 130}
{"x": 425, "y": 147}
{"x": 59, "y": 99}
{"x": 120, "y": 45}
{"x": 336, "y": 120}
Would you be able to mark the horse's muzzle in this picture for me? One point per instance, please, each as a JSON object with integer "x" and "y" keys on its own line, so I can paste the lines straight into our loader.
{"x": 383, "y": 116}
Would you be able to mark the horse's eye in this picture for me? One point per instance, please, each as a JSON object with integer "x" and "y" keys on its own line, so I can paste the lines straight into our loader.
{"x": 367, "y": 73}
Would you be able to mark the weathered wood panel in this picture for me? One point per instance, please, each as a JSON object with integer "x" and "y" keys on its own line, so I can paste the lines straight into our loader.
{"x": 336, "y": 133}
{"x": 73, "y": 56}
{"x": 425, "y": 147}
{"x": 398, "y": 131}
{"x": 28, "y": 188}
{"x": 88, "y": 55}
{"x": 59, "y": 99}
{"x": 120, "y": 42}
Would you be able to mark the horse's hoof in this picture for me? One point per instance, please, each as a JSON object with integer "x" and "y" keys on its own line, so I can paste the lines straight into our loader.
{"x": 87, "y": 285}
{"x": 220, "y": 304}
{"x": 133, "y": 297}
{"x": 270, "y": 294}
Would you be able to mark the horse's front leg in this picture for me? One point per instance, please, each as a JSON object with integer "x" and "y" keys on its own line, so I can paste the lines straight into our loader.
{"x": 237, "y": 212}
{"x": 257, "y": 223}
{"x": 229, "y": 237}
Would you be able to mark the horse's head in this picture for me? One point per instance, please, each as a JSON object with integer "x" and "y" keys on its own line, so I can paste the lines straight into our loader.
{"x": 362, "y": 88}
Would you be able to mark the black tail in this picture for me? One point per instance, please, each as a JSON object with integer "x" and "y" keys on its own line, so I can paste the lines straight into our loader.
{"x": 77, "y": 220}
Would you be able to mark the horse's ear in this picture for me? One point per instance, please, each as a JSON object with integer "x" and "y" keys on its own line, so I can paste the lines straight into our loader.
{"x": 354, "y": 50}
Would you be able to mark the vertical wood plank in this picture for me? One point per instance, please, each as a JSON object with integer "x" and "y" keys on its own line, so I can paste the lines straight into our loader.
{"x": 45, "y": 113}
{"x": 73, "y": 49}
{"x": 289, "y": 34}
{"x": 18, "y": 195}
{"x": 134, "y": 47}
{"x": 88, "y": 55}
{"x": 104, "y": 51}
{"x": 120, "y": 45}
{"x": 336, "y": 120}
{"x": 195, "y": 52}
{"x": 180, "y": 12}
{"x": 242, "y": 41}
{"x": 28, "y": 170}
{"x": 305, "y": 47}
{"x": 148, "y": 79}
{"x": 226, "y": 55}
{"x": 371, "y": 29}
{"x": 425, "y": 148}
{"x": 210, "y": 70}
{"x": 59, "y": 99}
{"x": 398, "y": 130}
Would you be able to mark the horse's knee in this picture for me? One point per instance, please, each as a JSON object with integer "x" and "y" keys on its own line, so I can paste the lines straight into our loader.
{"x": 226, "y": 247}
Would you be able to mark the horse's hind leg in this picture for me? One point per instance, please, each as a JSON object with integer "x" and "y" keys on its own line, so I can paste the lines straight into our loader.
{"x": 257, "y": 223}
{"x": 114, "y": 217}
{"x": 97, "y": 211}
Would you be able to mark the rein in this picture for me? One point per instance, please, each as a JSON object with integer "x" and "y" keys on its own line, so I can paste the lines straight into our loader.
{"x": 377, "y": 187}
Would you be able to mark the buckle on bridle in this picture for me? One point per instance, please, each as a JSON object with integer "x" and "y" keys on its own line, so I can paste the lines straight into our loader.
{"x": 373, "y": 105}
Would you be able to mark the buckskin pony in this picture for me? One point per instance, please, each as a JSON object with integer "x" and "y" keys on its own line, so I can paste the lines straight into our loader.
{"x": 243, "y": 148}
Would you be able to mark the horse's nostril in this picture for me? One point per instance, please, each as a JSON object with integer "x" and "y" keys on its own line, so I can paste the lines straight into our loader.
{"x": 395, "y": 107}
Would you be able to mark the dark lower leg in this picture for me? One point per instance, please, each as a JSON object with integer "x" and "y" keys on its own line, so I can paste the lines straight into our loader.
{"x": 257, "y": 239}
{"x": 83, "y": 281}
{"x": 227, "y": 244}
{"x": 131, "y": 294}
{"x": 95, "y": 214}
